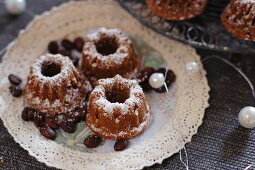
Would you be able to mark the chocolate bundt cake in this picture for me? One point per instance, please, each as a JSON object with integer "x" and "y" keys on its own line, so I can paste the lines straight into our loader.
{"x": 54, "y": 85}
{"x": 176, "y": 9}
{"x": 239, "y": 19}
{"x": 108, "y": 52}
{"x": 117, "y": 109}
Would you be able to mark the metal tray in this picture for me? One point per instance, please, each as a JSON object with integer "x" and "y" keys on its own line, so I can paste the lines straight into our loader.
{"x": 204, "y": 31}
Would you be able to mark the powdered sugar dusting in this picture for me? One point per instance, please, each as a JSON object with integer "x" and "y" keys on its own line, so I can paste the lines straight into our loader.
{"x": 108, "y": 107}
{"x": 140, "y": 128}
{"x": 63, "y": 97}
{"x": 121, "y": 53}
{"x": 109, "y": 82}
{"x": 65, "y": 64}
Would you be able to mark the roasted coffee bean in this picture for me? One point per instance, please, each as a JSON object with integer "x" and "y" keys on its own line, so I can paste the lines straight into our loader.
{"x": 67, "y": 44}
{"x": 161, "y": 89}
{"x": 28, "y": 114}
{"x": 65, "y": 52}
{"x": 120, "y": 145}
{"x": 68, "y": 125}
{"x": 161, "y": 70}
{"x": 39, "y": 119}
{"x": 79, "y": 43}
{"x": 51, "y": 121}
{"x": 143, "y": 78}
{"x": 92, "y": 141}
{"x": 47, "y": 132}
{"x": 146, "y": 86}
{"x": 144, "y": 75}
{"x": 15, "y": 80}
{"x": 16, "y": 91}
{"x": 53, "y": 47}
{"x": 170, "y": 77}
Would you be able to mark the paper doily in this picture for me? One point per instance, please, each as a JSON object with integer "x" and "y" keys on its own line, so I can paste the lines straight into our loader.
{"x": 71, "y": 19}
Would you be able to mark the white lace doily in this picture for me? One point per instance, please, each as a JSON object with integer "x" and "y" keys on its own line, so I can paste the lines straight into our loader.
{"x": 71, "y": 19}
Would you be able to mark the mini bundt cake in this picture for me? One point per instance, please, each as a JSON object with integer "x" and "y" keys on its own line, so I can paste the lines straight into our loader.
{"x": 54, "y": 85}
{"x": 239, "y": 19}
{"x": 117, "y": 109}
{"x": 177, "y": 9}
{"x": 108, "y": 52}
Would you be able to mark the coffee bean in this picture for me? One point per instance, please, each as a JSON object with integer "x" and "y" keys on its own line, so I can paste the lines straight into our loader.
{"x": 170, "y": 77}
{"x": 144, "y": 75}
{"x": 143, "y": 78}
{"x": 53, "y": 47}
{"x": 47, "y": 132}
{"x": 146, "y": 86}
{"x": 65, "y": 52}
{"x": 92, "y": 141}
{"x": 15, "y": 80}
{"x": 68, "y": 125}
{"x": 39, "y": 119}
{"x": 161, "y": 89}
{"x": 28, "y": 113}
{"x": 67, "y": 44}
{"x": 120, "y": 145}
{"x": 51, "y": 121}
{"x": 161, "y": 70}
{"x": 79, "y": 43}
{"x": 16, "y": 91}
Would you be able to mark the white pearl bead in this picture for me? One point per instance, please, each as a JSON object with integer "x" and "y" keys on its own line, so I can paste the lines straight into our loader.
{"x": 15, "y": 6}
{"x": 247, "y": 117}
{"x": 157, "y": 80}
{"x": 192, "y": 67}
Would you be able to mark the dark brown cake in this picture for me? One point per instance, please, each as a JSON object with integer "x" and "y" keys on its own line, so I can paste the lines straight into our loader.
{"x": 177, "y": 9}
{"x": 54, "y": 85}
{"x": 239, "y": 19}
{"x": 108, "y": 52}
{"x": 117, "y": 109}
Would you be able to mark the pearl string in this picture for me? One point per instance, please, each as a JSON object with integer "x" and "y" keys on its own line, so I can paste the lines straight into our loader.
{"x": 186, "y": 164}
{"x": 234, "y": 67}
{"x": 249, "y": 167}
{"x": 186, "y": 161}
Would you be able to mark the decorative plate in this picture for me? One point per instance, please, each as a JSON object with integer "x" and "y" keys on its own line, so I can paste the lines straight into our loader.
{"x": 176, "y": 114}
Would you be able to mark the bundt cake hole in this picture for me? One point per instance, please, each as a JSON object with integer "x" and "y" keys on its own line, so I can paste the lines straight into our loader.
{"x": 50, "y": 69}
{"x": 117, "y": 94}
{"x": 107, "y": 46}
